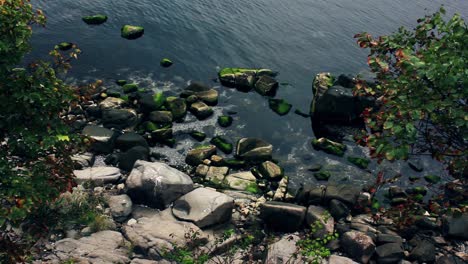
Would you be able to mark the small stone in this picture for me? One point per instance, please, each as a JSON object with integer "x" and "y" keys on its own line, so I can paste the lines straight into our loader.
{"x": 279, "y": 106}
{"x": 132, "y": 32}
{"x": 322, "y": 175}
{"x": 201, "y": 110}
{"x": 270, "y": 171}
{"x": 432, "y": 179}
{"x": 201, "y": 170}
{"x": 130, "y": 88}
{"x": 94, "y": 19}
{"x": 225, "y": 121}
{"x": 266, "y": 85}
{"x": 329, "y": 146}
{"x": 165, "y": 63}
{"x": 197, "y": 155}
{"x": 222, "y": 144}
{"x": 64, "y": 46}
{"x": 199, "y": 136}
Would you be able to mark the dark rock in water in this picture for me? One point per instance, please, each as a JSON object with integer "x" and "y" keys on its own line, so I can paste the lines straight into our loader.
{"x": 300, "y": 113}
{"x": 360, "y": 162}
{"x": 389, "y": 253}
{"x": 203, "y": 92}
{"x": 456, "y": 226}
{"x": 358, "y": 245}
{"x": 192, "y": 99}
{"x": 166, "y": 63}
{"x": 416, "y": 165}
{"x": 337, "y": 104}
{"x": 225, "y": 121}
{"x": 201, "y": 110}
{"x": 315, "y": 167}
{"x": 156, "y": 184}
{"x": 128, "y": 158}
{"x": 424, "y": 252}
{"x": 93, "y": 111}
{"x": 95, "y": 19}
{"x": 119, "y": 118}
{"x": 64, "y": 46}
{"x": 329, "y": 146}
{"x": 121, "y": 82}
{"x": 432, "y": 179}
{"x": 322, "y": 175}
{"x": 396, "y": 191}
{"x": 345, "y": 80}
{"x": 324, "y": 194}
{"x": 161, "y": 117}
{"x": 279, "y": 106}
{"x": 242, "y": 78}
{"x": 254, "y": 150}
{"x": 199, "y": 136}
{"x": 271, "y": 171}
{"x": 113, "y": 92}
{"x": 162, "y": 135}
{"x": 130, "y": 88}
{"x": 222, "y": 144}
{"x": 282, "y": 216}
{"x": 177, "y": 106}
{"x": 102, "y": 138}
{"x": 132, "y": 32}
{"x": 266, "y": 85}
{"x": 338, "y": 209}
{"x": 129, "y": 140}
{"x": 233, "y": 163}
{"x": 197, "y": 155}
{"x": 149, "y": 103}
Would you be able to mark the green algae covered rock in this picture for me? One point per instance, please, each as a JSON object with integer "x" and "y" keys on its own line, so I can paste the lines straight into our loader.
{"x": 225, "y": 121}
{"x": 243, "y": 78}
{"x": 197, "y": 135}
{"x": 320, "y": 85}
{"x": 329, "y": 146}
{"x": 159, "y": 100}
{"x": 177, "y": 106}
{"x": 166, "y": 63}
{"x": 132, "y": 32}
{"x": 130, "y": 88}
{"x": 322, "y": 175}
{"x": 121, "y": 82}
{"x": 65, "y": 46}
{"x": 95, "y": 19}
{"x": 222, "y": 144}
{"x": 360, "y": 162}
{"x": 279, "y": 106}
{"x": 432, "y": 179}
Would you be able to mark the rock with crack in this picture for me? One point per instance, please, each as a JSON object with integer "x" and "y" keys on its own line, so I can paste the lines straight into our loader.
{"x": 204, "y": 207}
{"x": 156, "y": 184}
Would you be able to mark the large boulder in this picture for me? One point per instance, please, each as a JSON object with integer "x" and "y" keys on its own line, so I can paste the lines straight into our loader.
{"x": 102, "y": 138}
{"x": 205, "y": 93}
{"x": 254, "y": 149}
{"x": 358, "y": 245}
{"x": 156, "y": 184}
{"x": 337, "y": 104}
{"x": 119, "y": 118}
{"x": 97, "y": 175}
{"x": 204, "y": 207}
{"x": 104, "y": 247}
{"x": 282, "y": 216}
{"x": 128, "y": 140}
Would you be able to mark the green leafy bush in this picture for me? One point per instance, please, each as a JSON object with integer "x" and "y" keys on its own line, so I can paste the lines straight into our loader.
{"x": 421, "y": 91}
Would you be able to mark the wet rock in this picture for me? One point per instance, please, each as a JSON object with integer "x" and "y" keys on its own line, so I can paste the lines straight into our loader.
{"x": 208, "y": 95}
{"x": 201, "y": 110}
{"x": 282, "y": 216}
{"x": 127, "y": 159}
{"x": 156, "y": 184}
{"x": 337, "y": 104}
{"x": 166, "y": 63}
{"x": 360, "y": 162}
{"x": 358, "y": 245}
{"x": 64, "y": 46}
{"x": 149, "y": 102}
{"x": 432, "y": 179}
{"x": 161, "y": 117}
{"x": 388, "y": 238}
{"x": 345, "y": 80}
{"x": 120, "y": 206}
{"x": 329, "y": 146}
{"x": 197, "y": 155}
{"x": 338, "y": 209}
{"x": 225, "y": 121}
{"x": 199, "y": 136}
{"x": 132, "y": 32}
{"x": 320, "y": 214}
{"x": 102, "y": 138}
{"x": 423, "y": 252}
{"x": 335, "y": 259}
{"x": 130, "y": 88}
{"x": 111, "y": 103}
{"x": 389, "y": 253}
{"x": 240, "y": 181}
{"x": 279, "y": 106}
{"x": 177, "y": 106}
{"x": 284, "y": 251}
{"x": 253, "y": 149}
{"x": 162, "y": 135}
{"x": 119, "y": 118}
{"x": 456, "y": 226}
{"x": 204, "y": 207}
{"x": 216, "y": 175}
{"x": 121, "y": 82}
{"x": 271, "y": 171}
{"x": 242, "y": 78}
{"x": 97, "y": 175}
{"x": 266, "y": 85}
{"x": 106, "y": 246}
{"x": 322, "y": 175}
{"x": 317, "y": 194}
{"x": 222, "y": 144}
{"x": 95, "y": 19}
{"x": 128, "y": 140}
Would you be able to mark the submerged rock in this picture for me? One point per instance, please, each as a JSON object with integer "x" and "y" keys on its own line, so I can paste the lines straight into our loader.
{"x": 64, "y": 46}
{"x": 156, "y": 184}
{"x": 166, "y": 63}
{"x": 279, "y": 106}
{"x": 204, "y": 207}
{"x": 329, "y": 146}
{"x": 121, "y": 82}
{"x": 322, "y": 175}
{"x": 253, "y": 149}
{"x": 97, "y": 175}
{"x": 94, "y": 19}
{"x": 132, "y": 32}
{"x": 130, "y": 88}
{"x": 222, "y": 144}
{"x": 362, "y": 163}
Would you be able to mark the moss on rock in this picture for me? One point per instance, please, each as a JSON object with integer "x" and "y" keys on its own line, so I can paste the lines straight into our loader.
{"x": 166, "y": 63}
{"x": 279, "y": 106}
{"x": 360, "y": 162}
{"x": 132, "y": 32}
{"x": 199, "y": 136}
{"x": 329, "y": 146}
{"x": 222, "y": 144}
{"x": 95, "y": 19}
{"x": 225, "y": 121}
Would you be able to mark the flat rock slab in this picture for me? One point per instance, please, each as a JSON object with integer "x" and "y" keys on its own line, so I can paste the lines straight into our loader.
{"x": 98, "y": 175}
{"x": 156, "y": 184}
{"x": 240, "y": 181}
{"x": 105, "y": 247}
{"x": 204, "y": 207}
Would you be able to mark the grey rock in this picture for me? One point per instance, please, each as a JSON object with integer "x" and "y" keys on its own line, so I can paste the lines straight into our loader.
{"x": 197, "y": 155}
{"x": 320, "y": 214}
{"x": 82, "y": 161}
{"x": 97, "y": 175}
{"x": 389, "y": 253}
{"x": 358, "y": 245}
{"x": 387, "y": 238}
{"x": 338, "y": 209}
{"x": 120, "y": 206}
{"x": 456, "y": 226}
{"x": 335, "y": 259}
{"x": 204, "y": 207}
{"x": 253, "y": 149}
{"x": 102, "y": 138}
{"x": 283, "y": 251}
{"x": 206, "y": 94}
{"x": 216, "y": 174}
{"x": 240, "y": 181}
{"x": 270, "y": 170}
{"x": 119, "y": 118}
{"x": 282, "y": 216}
{"x": 423, "y": 252}
{"x": 111, "y": 103}
{"x": 202, "y": 170}
{"x": 156, "y": 184}
{"x": 128, "y": 140}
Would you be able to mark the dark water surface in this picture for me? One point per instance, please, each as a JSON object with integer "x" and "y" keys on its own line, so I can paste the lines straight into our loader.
{"x": 297, "y": 38}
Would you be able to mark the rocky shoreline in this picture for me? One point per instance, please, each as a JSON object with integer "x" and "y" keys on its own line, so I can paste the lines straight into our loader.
{"x": 155, "y": 209}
